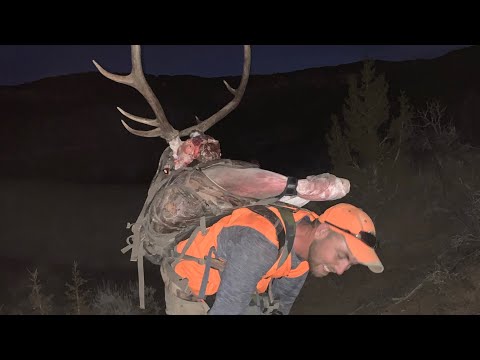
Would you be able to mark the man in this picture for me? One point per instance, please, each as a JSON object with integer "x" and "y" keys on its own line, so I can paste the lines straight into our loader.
{"x": 245, "y": 273}
{"x": 178, "y": 198}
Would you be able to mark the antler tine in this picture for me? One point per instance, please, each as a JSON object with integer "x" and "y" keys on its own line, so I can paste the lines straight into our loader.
{"x": 238, "y": 94}
{"x": 136, "y": 79}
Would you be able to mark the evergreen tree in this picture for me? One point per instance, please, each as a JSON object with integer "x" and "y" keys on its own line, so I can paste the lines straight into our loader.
{"x": 370, "y": 136}
{"x": 400, "y": 130}
{"x": 365, "y": 110}
{"x": 337, "y": 146}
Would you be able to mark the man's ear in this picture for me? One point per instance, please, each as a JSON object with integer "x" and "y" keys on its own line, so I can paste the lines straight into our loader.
{"x": 322, "y": 231}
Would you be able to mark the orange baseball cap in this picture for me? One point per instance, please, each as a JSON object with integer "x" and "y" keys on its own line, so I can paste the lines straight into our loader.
{"x": 358, "y": 230}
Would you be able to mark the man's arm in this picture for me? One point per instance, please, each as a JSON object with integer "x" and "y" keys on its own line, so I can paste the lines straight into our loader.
{"x": 286, "y": 291}
{"x": 249, "y": 255}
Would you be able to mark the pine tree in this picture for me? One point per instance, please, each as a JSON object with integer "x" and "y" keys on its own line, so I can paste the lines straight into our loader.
{"x": 400, "y": 130}
{"x": 337, "y": 145}
{"x": 75, "y": 293}
{"x": 365, "y": 110}
{"x": 40, "y": 303}
{"x": 366, "y": 141}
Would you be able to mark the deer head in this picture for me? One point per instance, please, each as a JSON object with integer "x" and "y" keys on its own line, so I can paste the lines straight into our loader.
{"x": 199, "y": 146}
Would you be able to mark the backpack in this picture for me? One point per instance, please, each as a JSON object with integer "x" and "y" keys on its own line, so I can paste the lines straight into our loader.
{"x": 184, "y": 202}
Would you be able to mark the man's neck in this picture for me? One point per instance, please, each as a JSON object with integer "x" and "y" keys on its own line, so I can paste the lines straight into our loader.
{"x": 303, "y": 239}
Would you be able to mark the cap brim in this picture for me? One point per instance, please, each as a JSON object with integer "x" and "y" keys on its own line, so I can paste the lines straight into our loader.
{"x": 364, "y": 254}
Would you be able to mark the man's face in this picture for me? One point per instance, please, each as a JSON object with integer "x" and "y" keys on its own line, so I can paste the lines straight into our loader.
{"x": 330, "y": 254}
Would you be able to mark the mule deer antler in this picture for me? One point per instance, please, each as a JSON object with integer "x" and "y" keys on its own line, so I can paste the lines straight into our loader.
{"x": 163, "y": 129}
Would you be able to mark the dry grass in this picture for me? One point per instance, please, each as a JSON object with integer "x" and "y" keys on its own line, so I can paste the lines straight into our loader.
{"x": 108, "y": 298}
{"x": 111, "y": 299}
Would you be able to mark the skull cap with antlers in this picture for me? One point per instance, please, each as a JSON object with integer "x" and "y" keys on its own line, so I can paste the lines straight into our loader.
{"x": 163, "y": 129}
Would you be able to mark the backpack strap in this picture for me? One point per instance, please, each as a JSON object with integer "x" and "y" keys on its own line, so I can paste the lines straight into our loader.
{"x": 285, "y": 235}
{"x": 206, "y": 274}
{"x": 213, "y": 262}
{"x": 290, "y": 188}
{"x": 135, "y": 241}
{"x": 290, "y": 228}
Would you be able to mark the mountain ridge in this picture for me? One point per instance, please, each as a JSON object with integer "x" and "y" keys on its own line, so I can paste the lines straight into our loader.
{"x": 67, "y": 127}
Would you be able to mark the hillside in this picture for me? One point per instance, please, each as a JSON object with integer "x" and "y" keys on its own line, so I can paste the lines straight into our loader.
{"x": 68, "y": 127}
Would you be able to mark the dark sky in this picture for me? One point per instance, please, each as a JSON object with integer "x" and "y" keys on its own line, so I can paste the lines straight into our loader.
{"x": 25, "y": 63}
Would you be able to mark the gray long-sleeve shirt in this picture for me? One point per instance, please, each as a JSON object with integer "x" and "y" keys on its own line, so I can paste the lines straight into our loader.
{"x": 249, "y": 255}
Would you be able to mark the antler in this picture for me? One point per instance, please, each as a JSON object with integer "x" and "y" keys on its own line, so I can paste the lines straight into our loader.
{"x": 136, "y": 79}
{"x": 238, "y": 94}
{"x": 163, "y": 129}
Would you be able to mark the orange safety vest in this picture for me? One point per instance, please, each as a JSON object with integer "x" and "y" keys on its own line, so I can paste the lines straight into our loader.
{"x": 202, "y": 244}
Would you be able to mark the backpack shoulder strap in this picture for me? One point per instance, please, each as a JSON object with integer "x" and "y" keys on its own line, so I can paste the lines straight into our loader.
{"x": 285, "y": 235}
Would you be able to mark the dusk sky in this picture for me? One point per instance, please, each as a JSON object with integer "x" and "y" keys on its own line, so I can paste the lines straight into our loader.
{"x": 26, "y": 63}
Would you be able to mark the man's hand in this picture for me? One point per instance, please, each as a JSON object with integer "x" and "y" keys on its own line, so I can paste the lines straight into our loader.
{"x": 276, "y": 312}
{"x": 323, "y": 187}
